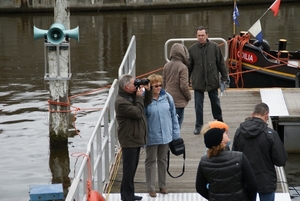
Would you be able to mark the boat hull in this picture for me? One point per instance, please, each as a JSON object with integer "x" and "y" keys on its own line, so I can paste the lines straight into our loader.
{"x": 258, "y": 79}
{"x": 251, "y": 67}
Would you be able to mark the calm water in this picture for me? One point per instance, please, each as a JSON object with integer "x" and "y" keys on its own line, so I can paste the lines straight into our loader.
{"x": 104, "y": 38}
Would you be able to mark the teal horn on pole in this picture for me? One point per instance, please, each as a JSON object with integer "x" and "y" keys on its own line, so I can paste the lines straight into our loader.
{"x": 73, "y": 33}
{"x": 38, "y": 33}
{"x": 56, "y": 34}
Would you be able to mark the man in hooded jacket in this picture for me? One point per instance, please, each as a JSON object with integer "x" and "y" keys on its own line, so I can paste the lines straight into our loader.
{"x": 263, "y": 148}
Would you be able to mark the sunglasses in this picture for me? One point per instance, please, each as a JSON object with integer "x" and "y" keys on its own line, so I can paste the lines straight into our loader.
{"x": 156, "y": 86}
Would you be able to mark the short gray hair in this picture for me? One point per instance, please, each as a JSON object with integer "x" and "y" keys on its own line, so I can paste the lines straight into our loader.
{"x": 124, "y": 80}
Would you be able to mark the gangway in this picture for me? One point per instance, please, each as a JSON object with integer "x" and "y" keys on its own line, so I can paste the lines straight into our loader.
{"x": 103, "y": 147}
{"x": 104, "y": 151}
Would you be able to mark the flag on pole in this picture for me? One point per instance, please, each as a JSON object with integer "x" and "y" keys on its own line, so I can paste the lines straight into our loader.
{"x": 275, "y": 7}
{"x": 235, "y": 15}
{"x": 256, "y": 31}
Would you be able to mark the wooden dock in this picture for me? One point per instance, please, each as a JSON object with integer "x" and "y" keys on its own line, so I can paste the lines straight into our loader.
{"x": 237, "y": 104}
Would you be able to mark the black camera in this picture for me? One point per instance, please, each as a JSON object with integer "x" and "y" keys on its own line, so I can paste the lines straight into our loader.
{"x": 138, "y": 82}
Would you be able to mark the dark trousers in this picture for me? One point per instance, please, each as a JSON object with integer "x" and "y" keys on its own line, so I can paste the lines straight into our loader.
{"x": 214, "y": 102}
{"x": 130, "y": 157}
{"x": 267, "y": 196}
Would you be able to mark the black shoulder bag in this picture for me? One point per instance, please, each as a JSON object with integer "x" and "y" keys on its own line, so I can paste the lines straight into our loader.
{"x": 177, "y": 148}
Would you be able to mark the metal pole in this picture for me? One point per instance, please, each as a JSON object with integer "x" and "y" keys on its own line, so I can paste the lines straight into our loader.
{"x": 234, "y": 4}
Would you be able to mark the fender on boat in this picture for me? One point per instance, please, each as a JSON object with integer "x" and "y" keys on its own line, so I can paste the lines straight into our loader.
{"x": 264, "y": 45}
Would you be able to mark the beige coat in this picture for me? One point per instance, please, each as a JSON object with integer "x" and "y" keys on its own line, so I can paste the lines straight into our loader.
{"x": 175, "y": 75}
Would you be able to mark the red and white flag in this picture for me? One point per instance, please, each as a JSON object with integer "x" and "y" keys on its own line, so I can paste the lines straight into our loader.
{"x": 275, "y": 7}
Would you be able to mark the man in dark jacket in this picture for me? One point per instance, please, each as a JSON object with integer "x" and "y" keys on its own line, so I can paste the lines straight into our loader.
{"x": 206, "y": 63}
{"x": 132, "y": 129}
{"x": 263, "y": 148}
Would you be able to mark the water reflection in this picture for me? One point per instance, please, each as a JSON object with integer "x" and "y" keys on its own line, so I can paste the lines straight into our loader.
{"x": 95, "y": 59}
{"x": 59, "y": 164}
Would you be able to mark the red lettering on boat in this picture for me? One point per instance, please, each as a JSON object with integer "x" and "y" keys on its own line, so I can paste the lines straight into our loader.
{"x": 247, "y": 56}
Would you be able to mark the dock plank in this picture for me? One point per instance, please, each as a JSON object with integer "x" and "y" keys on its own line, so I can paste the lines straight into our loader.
{"x": 237, "y": 104}
{"x": 292, "y": 97}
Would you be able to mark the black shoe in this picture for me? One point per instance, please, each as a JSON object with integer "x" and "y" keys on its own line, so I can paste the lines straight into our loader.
{"x": 197, "y": 131}
{"x": 136, "y": 197}
{"x": 220, "y": 119}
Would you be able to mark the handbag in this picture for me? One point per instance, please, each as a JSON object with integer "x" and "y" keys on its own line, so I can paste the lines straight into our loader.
{"x": 177, "y": 148}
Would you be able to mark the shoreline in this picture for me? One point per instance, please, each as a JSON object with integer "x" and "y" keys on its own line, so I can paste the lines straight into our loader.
{"x": 131, "y": 5}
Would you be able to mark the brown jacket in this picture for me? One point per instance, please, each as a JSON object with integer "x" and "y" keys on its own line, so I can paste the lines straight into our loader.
{"x": 132, "y": 123}
{"x": 175, "y": 75}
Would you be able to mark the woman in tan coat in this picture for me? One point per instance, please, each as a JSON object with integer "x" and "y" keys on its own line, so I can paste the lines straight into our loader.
{"x": 176, "y": 79}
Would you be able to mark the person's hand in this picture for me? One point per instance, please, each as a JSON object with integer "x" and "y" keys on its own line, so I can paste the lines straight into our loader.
{"x": 139, "y": 91}
{"x": 147, "y": 86}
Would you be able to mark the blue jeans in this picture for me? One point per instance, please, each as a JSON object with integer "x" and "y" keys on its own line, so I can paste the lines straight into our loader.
{"x": 214, "y": 102}
{"x": 267, "y": 196}
{"x": 180, "y": 114}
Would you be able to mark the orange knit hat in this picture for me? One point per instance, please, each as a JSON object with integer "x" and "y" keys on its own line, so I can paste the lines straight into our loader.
{"x": 218, "y": 124}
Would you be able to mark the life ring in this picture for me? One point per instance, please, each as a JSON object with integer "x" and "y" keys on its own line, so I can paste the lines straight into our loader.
{"x": 264, "y": 45}
{"x": 95, "y": 196}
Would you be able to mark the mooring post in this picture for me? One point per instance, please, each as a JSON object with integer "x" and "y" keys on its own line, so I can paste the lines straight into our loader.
{"x": 59, "y": 117}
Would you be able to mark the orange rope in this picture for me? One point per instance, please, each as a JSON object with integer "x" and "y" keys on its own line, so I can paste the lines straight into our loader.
{"x": 88, "y": 182}
{"x": 74, "y": 109}
{"x": 235, "y": 68}
{"x": 154, "y": 71}
{"x": 89, "y": 92}
{"x": 235, "y": 64}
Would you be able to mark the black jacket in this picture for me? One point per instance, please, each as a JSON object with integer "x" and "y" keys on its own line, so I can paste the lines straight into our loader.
{"x": 229, "y": 176}
{"x": 263, "y": 148}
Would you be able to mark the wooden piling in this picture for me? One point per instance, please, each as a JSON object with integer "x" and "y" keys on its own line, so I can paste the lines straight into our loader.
{"x": 59, "y": 88}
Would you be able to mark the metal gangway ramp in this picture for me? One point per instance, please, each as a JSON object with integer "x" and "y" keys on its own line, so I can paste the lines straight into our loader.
{"x": 104, "y": 150}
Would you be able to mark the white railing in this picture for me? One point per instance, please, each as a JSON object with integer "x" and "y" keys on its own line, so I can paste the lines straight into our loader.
{"x": 184, "y": 40}
{"x": 128, "y": 64}
{"x": 103, "y": 144}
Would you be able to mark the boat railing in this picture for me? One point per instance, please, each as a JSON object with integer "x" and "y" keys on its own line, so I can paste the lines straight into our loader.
{"x": 103, "y": 144}
{"x": 183, "y": 41}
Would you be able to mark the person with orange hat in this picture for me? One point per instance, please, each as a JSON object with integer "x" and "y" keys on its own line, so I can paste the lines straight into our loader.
{"x": 223, "y": 174}
{"x": 216, "y": 124}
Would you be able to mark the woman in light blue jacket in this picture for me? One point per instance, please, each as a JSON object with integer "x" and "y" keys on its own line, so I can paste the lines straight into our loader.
{"x": 163, "y": 127}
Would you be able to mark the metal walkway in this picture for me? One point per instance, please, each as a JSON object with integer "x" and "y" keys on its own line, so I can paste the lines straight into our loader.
{"x": 103, "y": 149}
{"x": 187, "y": 197}
{"x": 237, "y": 104}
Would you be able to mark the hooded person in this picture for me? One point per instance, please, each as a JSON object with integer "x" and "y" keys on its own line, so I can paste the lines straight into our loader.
{"x": 227, "y": 173}
{"x": 176, "y": 79}
{"x": 262, "y": 145}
